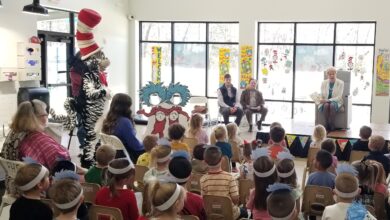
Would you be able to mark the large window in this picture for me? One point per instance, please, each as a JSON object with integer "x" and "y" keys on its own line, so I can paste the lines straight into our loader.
{"x": 189, "y": 53}
{"x": 292, "y": 58}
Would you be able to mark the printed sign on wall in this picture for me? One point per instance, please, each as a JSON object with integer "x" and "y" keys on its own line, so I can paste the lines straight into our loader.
{"x": 224, "y": 64}
{"x": 382, "y": 72}
{"x": 245, "y": 65}
{"x": 156, "y": 64}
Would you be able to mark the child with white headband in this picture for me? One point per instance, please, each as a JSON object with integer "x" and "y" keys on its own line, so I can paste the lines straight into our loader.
{"x": 281, "y": 204}
{"x": 160, "y": 157}
{"x": 120, "y": 172}
{"x": 265, "y": 174}
{"x": 346, "y": 189}
{"x": 67, "y": 196}
{"x": 287, "y": 175}
{"x": 167, "y": 199}
{"x": 31, "y": 180}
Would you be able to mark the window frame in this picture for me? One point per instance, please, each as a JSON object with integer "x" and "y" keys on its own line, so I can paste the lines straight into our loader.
{"x": 294, "y": 44}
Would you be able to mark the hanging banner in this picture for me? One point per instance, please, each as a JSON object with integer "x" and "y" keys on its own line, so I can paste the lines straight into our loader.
{"x": 290, "y": 139}
{"x": 156, "y": 64}
{"x": 353, "y": 141}
{"x": 224, "y": 64}
{"x": 342, "y": 143}
{"x": 382, "y": 72}
{"x": 303, "y": 140}
{"x": 245, "y": 65}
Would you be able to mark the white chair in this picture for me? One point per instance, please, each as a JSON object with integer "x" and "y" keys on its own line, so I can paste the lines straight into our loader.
{"x": 114, "y": 142}
{"x": 203, "y": 101}
{"x": 344, "y": 116}
{"x": 11, "y": 168}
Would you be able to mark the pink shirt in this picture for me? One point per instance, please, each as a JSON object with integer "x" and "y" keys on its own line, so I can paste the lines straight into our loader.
{"x": 201, "y": 136}
{"x": 256, "y": 214}
{"x": 42, "y": 148}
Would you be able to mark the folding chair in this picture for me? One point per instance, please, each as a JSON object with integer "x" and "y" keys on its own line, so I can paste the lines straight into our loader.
{"x": 95, "y": 211}
{"x": 357, "y": 155}
{"x": 309, "y": 164}
{"x": 191, "y": 142}
{"x": 225, "y": 164}
{"x": 90, "y": 190}
{"x": 115, "y": 143}
{"x": 189, "y": 217}
{"x": 244, "y": 187}
{"x": 10, "y": 168}
{"x": 194, "y": 184}
{"x": 236, "y": 152}
{"x": 315, "y": 199}
{"x": 139, "y": 177}
{"x": 218, "y": 207}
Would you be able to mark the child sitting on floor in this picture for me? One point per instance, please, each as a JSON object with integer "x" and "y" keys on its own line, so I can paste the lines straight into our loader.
{"x": 149, "y": 142}
{"x": 104, "y": 155}
{"x": 364, "y": 134}
{"x": 176, "y": 134}
{"x": 376, "y": 144}
{"x": 221, "y": 137}
{"x": 196, "y": 130}
{"x": 330, "y": 146}
{"x": 319, "y": 135}
{"x": 277, "y": 135}
{"x": 198, "y": 164}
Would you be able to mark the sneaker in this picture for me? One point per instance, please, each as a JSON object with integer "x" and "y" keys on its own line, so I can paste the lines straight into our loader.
{"x": 259, "y": 125}
{"x": 250, "y": 128}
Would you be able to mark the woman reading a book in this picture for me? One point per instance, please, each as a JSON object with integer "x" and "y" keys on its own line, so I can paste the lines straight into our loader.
{"x": 331, "y": 97}
{"x": 252, "y": 102}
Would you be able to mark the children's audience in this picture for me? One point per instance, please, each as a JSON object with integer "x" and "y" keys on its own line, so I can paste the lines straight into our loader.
{"x": 281, "y": 203}
{"x": 198, "y": 164}
{"x": 330, "y": 146}
{"x": 221, "y": 137}
{"x": 104, "y": 155}
{"x": 120, "y": 173}
{"x": 160, "y": 157}
{"x": 322, "y": 177}
{"x": 246, "y": 168}
{"x": 346, "y": 190}
{"x": 196, "y": 131}
{"x": 362, "y": 143}
{"x": 277, "y": 135}
{"x": 149, "y": 142}
{"x": 31, "y": 180}
{"x": 376, "y": 144}
{"x": 319, "y": 134}
{"x": 67, "y": 196}
{"x": 180, "y": 169}
{"x": 220, "y": 183}
{"x": 265, "y": 174}
{"x": 176, "y": 134}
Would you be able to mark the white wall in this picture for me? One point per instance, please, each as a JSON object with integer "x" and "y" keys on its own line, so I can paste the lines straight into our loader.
{"x": 112, "y": 33}
{"x": 249, "y": 12}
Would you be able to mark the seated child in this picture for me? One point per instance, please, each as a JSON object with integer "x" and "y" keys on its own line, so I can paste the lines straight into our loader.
{"x": 160, "y": 157}
{"x": 376, "y": 144}
{"x": 277, "y": 135}
{"x": 235, "y": 141}
{"x": 32, "y": 180}
{"x": 67, "y": 196}
{"x": 221, "y": 137}
{"x": 330, "y": 146}
{"x": 104, "y": 155}
{"x": 196, "y": 130}
{"x": 246, "y": 169}
{"x": 149, "y": 142}
{"x": 319, "y": 134}
{"x": 265, "y": 174}
{"x": 218, "y": 182}
{"x": 272, "y": 125}
{"x": 362, "y": 143}
{"x": 198, "y": 164}
{"x": 322, "y": 177}
{"x": 176, "y": 134}
{"x": 347, "y": 188}
{"x": 281, "y": 203}
{"x": 121, "y": 172}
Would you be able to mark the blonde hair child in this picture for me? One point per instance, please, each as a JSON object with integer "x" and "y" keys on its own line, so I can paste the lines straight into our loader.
{"x": 160, "y": 157}
{"x": 319, "y": 135}
{"x": 196, "y": 131}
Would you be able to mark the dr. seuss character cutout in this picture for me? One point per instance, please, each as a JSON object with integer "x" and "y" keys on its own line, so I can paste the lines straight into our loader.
{"x": 166, "y": 106}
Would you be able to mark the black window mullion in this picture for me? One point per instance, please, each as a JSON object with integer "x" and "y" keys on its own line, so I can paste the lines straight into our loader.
{"x": 207, "y": 58}
{"x": 294, "y": 73}
{"x": 172, "y": 52}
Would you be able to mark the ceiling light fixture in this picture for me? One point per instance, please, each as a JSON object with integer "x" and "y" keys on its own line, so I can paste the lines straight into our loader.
{"x": 35, "y": 8}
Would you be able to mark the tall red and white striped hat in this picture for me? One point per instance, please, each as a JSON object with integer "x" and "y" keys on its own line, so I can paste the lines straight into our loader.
{"x": 87, "y": 20}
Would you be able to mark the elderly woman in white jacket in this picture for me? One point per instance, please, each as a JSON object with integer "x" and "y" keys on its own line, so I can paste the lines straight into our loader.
{"x": 331, "y": 97}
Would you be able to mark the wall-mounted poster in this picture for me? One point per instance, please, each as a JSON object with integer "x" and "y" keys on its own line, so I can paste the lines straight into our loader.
{"x": 382, "y": 72}
{"x": 156, "y": 64}
{"x": 224, "y": 64}
{"x": 245, "y": 65}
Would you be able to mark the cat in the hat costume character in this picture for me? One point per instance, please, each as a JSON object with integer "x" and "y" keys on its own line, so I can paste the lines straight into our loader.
{"x": 93, "y": 93}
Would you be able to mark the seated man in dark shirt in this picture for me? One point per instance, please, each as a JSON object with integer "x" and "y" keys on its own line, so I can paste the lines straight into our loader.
{"x": 376, "y": 144}
{"x": 362, "y": 143}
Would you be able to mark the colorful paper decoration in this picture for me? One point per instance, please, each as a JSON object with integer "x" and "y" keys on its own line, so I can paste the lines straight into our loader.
{"x": 353, "y": 141}
{"x": 290, "y": 139}
{"x": 245, "y": 65}
{"x": 303, "y": 140}
{"x": 156, "y": 64}
{"x": 382, "y": 72}
{"x": 224, "y": 64}
{"x": 342, "y": 143}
